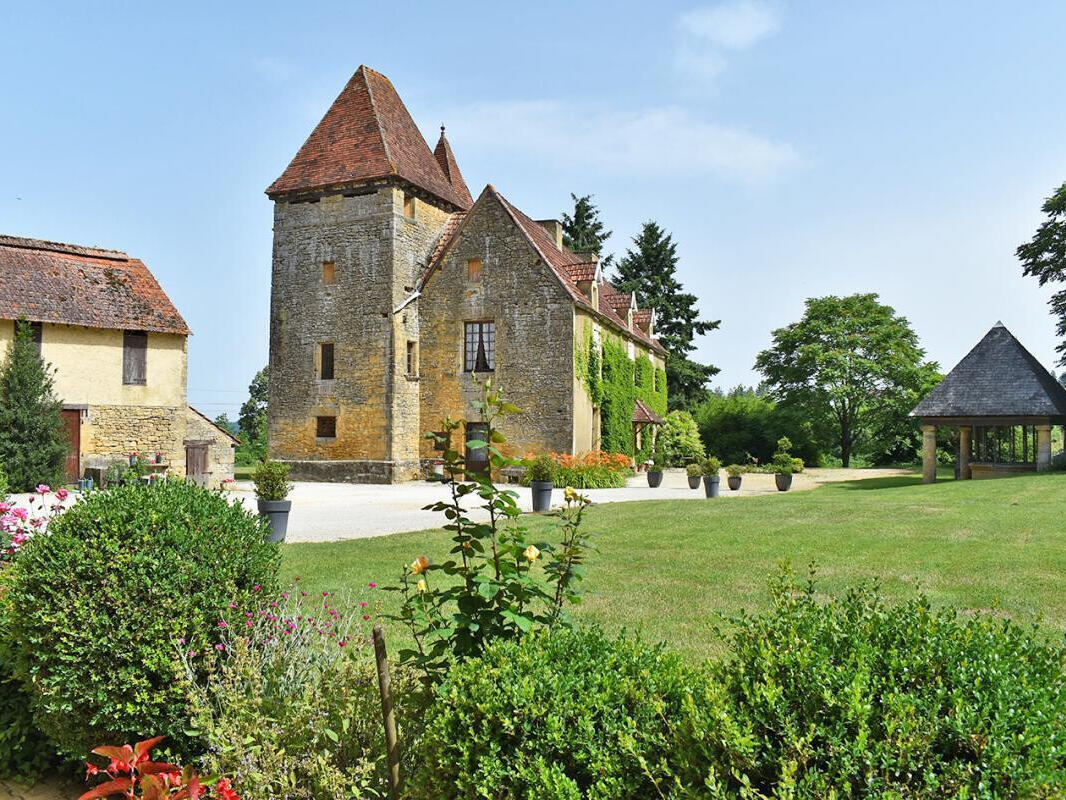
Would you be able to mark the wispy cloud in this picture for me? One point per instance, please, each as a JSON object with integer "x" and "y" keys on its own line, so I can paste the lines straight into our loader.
{"x": 709, "y": 34}
{"x": 657, "y": 141}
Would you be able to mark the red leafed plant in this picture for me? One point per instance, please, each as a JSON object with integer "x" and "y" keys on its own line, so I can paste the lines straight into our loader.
{"x": 131, "y": 773}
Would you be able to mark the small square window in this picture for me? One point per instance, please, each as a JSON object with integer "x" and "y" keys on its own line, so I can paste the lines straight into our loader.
{"x": 326, "y": 427}
{"x": 325, "y": 371}
{"x": 473, "y": 269}
{"x": 408, "y": 205}
{"x": 329, "y": 272}
{"x": 412, "y": 359}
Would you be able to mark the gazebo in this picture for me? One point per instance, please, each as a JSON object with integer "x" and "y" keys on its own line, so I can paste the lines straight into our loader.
{"x": 645, "y": 422}
{"x": 1003, "y": 403}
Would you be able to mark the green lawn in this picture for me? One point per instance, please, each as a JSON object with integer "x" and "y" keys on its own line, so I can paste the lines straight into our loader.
{"x": 667, "y": 568}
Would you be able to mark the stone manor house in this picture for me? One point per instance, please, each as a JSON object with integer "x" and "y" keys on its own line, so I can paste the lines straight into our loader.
{"x": 395, "y": 293}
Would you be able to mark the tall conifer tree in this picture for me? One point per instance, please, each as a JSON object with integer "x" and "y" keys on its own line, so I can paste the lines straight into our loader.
{"x": 583, "y": 231}
{"x": 649, "y": 269}
{"x": 33, "y": 442}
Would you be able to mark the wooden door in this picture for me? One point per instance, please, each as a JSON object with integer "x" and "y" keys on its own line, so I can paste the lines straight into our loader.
{"x": 196, "y": 464}
{"x": 72, "y": 423}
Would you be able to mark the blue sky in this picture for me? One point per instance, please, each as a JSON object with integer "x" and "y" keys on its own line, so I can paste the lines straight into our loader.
{"x": 793, "y": 149}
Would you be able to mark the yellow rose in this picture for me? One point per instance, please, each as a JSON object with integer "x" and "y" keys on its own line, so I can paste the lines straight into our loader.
{"x": 570, "y": 493}
{"x": 421, "y": 585}
{"x": 531, "y": 553}
{"x": 418, "y": 566}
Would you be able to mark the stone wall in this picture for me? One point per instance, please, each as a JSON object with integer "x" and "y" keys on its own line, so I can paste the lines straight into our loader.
{"x": 377, "y": 254}
{"x": 534, "y": 335}
{"x": 110, "y": 433}
{"x": 220, "y": 451}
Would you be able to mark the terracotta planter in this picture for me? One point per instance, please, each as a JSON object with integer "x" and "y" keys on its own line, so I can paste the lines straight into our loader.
{"x": 734, "y": 482}
{"x": 784, "y": 482}
{"x": 542, "y": 495}
{"x": 710, "y": 485}
{"x": 693, "y": 481}
{"x": 276, "y": 514}
{"x": 654, "y": 479}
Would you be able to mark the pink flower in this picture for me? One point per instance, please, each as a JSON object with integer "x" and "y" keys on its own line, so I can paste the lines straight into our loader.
{"x": 62, "y": 494}
{"x": 223, "y": 624}
{"x": 363, "y": 604}
{"x": 372, "y": 585}
{"x": 43, "y": 488}
{"x": 232, "y": 605}
{"x": 366, "y": 617}
{"x": 220, "y": 646}
{"x": 256, "y": 588}
{"x": 342, "y": 642}
{"x": 21, "y": 513}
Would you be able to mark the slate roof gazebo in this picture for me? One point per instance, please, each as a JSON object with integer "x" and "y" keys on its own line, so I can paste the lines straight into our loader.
{"x": 1004, "y": 404}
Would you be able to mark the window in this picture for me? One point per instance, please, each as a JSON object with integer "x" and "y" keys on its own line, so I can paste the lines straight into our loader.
{"x": 36, "y": 331}
{"x": 473, "y": 269}
{"x": 326, "y": 427}
{"x": 480, "y": 350}
{"x": 325, "y": 361}
{"x": 412, "y": 359}
{"x": 134, "y": 358}
{"x": 408, "y": 205}
{"x": 329, "y": 272}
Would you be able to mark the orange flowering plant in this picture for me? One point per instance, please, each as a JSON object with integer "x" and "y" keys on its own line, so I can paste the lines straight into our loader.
{"x": 496, "y": 583}
{"x": 131, "y": 773}
{"x": 593, "y": 470}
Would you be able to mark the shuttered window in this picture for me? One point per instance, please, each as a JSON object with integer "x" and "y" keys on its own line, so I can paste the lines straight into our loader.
{"x": 135, "y": 358}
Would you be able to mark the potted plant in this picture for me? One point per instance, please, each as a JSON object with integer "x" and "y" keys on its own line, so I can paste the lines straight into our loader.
{"x": 783, "y": 468}
{"x": 158, "y": 457}
{"x": 133, "y": 459}
{"x": 271, "y": 488}
{"x": 541, "y": 471}
{"x": 711, "y": 480}
{"x": 695, "y": 474}
{"x": 734, "y": 471}
{"x": 655, "y": 470}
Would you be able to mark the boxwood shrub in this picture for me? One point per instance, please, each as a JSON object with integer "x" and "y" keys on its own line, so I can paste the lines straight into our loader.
{"x": 565, "y": 714}
{"x": 97, "y": 607}
{"x": 853, "y": 698}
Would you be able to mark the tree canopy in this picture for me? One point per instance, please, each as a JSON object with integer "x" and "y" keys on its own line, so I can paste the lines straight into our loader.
{"x": 850, "y": 364}
{"x": 1044, "y": 258}
{"x": 584, "y": 231}
{"x": 252, "y": 422}
{"x": 33, "y": 442}
{"x": 649, "y": 269}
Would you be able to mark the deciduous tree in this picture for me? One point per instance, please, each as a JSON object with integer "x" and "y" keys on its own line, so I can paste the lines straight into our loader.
{"x": 845, "y": 365}
{"x": 1044, "y": 257}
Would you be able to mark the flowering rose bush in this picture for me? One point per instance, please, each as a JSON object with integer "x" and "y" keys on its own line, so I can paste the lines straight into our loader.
{"x": 289, "y": 707}
{"x": 131, "y": 773}
{"x": 497, "y": 584}
{"x": 18, "y": 524}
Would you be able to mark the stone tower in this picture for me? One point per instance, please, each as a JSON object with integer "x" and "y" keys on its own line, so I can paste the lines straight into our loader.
{"x": 356, "y": 215}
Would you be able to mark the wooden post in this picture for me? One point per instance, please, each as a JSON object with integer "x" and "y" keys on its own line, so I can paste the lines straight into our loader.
{"x": 1043, "y": 447}
{"x": 964, "y": 453}
{"x": 388, "y": 716}
{"x": 928, "y": 453}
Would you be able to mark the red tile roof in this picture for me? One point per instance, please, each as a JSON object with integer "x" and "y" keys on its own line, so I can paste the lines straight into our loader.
{"x": 74, "y": 285}
{"x": 367, "y": 134}
{"x": 448, "y": 165}
{"x": 564, "y": 263}
{"x": 583, "y": 272}
{"x": 641, "y": 413}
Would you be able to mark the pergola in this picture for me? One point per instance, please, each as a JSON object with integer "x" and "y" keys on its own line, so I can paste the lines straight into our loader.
{"x": 1003, "y": 403}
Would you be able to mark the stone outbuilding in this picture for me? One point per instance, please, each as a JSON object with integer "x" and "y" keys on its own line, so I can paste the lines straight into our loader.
{"x": 209, "y": 450}
{"x": 395, "y": 295}
{"x": 1004, "y": 404}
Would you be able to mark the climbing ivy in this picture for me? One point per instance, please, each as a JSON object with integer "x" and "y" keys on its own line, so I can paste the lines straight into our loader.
{"x": 614, "y": 382}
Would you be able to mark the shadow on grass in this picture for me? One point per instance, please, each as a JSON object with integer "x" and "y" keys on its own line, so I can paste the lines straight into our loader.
{"x": 891, "y": 482}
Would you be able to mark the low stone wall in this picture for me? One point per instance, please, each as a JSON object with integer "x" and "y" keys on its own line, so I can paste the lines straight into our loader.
{"x": 353, "y": 471}
{"x": 111, "y": 433}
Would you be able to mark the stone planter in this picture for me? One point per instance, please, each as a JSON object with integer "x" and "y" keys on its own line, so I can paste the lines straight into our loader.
{"x": 655, "y": 478}
{"x": 784, "y": 482}
{"x": 542, "y": 495}
{"x": 734, "y": 482}
{"x": 710, "y": 485}
{"x": 276, "y": 514}
{"x": 693, "y": 481}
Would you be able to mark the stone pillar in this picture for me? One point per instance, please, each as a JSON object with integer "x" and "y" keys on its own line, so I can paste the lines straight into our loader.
{"x": 964, "y": 453}
{"x": 1043, "y": 447}
{"x": 928, "y": 453}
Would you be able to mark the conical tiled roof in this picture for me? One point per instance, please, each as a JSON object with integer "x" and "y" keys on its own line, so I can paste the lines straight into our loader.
{"x": 446, "y": 158}
{"x": 998, "y": 378}
{"x": 367, "y": 134}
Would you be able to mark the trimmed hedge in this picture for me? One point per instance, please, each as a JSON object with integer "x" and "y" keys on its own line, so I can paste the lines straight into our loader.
{"x": 97, "y": 608}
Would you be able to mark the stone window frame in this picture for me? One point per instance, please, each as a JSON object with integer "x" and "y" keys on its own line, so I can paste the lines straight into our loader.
{"x": 408, "y": 205}
{"x": 325, "y": 427}
{"x": 479, "y": 351}
{"x": 329, "y": 273}
{"x": 134, "y": 358}
{"x": 327, "y": 364}
{"x": 473, "y": 269}
{"x": 412, "y": 358}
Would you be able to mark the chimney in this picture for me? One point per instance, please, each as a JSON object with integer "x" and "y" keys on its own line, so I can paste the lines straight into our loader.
{"x": 554, "y": 229}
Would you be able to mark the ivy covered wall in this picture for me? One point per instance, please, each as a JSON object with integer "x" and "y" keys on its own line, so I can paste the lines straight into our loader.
{"x": 614, "y": 382}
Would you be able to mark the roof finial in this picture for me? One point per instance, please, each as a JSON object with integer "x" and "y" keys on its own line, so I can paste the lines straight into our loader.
{"x": 442, "y": 129}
